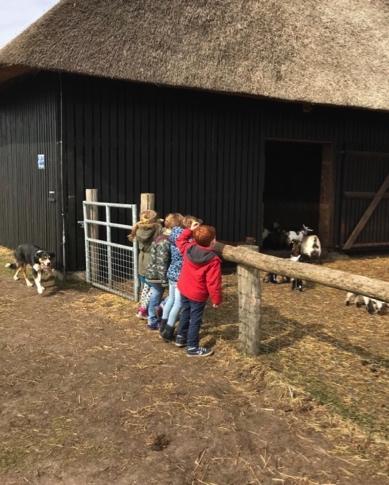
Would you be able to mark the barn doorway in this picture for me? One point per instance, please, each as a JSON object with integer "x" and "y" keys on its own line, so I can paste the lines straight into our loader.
{"x": 296, "y": 188}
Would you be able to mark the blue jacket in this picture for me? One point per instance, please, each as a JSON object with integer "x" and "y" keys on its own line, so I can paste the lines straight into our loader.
{"x": 176, "y": 257}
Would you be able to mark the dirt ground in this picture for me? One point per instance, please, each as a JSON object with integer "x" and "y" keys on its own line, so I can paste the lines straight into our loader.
{"x": 90, "y": 396}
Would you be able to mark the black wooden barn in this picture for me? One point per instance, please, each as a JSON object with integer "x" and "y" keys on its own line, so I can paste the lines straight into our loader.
{"x": 240, "y": 115}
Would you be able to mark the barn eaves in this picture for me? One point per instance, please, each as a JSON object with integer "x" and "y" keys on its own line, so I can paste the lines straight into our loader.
{"x": 329, "y": 52}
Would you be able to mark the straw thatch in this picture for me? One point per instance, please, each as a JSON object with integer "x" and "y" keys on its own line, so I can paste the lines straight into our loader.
{"x": 331, "y": 51}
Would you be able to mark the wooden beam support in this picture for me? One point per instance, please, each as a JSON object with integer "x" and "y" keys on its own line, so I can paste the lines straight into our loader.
{"x": 91, "y": 195}
{"x": 147, "y": 201}
{"x": 367, "y": 214}
{"x": 327, "y": 197}
{"x": 249, "y": 290}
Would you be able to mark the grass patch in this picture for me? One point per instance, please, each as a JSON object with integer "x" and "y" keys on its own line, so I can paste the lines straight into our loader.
{"x": 325, "y": 395}
{"x": 11, "y": 458}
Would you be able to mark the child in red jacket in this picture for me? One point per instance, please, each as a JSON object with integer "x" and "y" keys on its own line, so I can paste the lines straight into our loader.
{"x": 200, "y": 278}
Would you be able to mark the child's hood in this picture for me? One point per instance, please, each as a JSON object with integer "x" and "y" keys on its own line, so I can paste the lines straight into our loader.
{"x": 161, "y": 238}
{"x": 145, "y": 232}
{"x": 199, "y": 255}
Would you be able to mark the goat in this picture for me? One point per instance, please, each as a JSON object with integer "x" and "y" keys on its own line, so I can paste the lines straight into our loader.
{"x": 305, "y": 248}
{"x": 275, "y": 238}
{"x": 372, "y": 305}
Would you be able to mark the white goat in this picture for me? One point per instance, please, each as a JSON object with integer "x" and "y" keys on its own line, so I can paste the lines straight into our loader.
{"x": 305, "y": 248}
{"x": 275, "y": 239}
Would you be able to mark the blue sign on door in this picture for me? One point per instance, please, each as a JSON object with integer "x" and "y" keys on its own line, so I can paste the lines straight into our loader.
{"x": 41, "y": 162}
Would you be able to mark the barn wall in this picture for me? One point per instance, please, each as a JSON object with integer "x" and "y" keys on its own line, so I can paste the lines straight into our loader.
{"x": 28, "y": 127}
{"x": 199, "y": 153}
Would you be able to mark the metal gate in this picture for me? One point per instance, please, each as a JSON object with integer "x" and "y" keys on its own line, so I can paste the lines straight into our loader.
{"x": 110, "y": 265}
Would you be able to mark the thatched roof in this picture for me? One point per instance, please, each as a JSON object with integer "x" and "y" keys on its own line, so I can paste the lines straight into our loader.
{"x": 319, "y": 51}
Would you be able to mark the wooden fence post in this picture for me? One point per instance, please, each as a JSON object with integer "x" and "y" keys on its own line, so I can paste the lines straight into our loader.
{"x": 147, "y": 201}
{"x": 91, "y": 195}
{"x": 249, "y": 290}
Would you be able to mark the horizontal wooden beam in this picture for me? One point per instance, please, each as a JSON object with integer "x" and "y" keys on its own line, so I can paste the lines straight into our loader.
{"x": 371, "y": 245}
{"x": 319, "y": 274}
{"x": 364, "y": 152}
{"x": 362, "y": 195}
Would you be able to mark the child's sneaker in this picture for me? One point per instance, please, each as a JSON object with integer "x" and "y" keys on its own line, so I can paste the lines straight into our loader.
{"x": 153, "y": 326}
{"x": 180, "y": 341}
{"x": 198, "y": 352}
{"x": 167, "y": 334}
{"x": 158, "y": 312}
{"x": 162, "y": 325}
{"x": 142, "y": 313}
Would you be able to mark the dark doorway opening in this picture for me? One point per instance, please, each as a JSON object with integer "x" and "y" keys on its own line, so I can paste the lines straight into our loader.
{"x": 292, "y": 184}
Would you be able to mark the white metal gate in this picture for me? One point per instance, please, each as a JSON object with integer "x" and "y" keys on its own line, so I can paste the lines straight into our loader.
{"x": 110, "y": 265}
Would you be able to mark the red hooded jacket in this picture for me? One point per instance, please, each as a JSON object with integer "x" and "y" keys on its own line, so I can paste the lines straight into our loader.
{"x": 201, "y": 274}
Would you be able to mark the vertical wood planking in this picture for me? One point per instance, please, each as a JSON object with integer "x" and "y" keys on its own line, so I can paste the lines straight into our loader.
{"x": 202, "y": 153}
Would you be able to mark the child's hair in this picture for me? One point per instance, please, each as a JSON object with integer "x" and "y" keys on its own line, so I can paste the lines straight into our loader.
{"x": 204, "y": 235}
{"x": 188, "y": 220}
{"x": 173, "y": 219}
{"x": 148, "y": 216}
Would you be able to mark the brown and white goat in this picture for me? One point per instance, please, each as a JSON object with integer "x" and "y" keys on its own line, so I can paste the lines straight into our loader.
{"x": 306, "y": 248}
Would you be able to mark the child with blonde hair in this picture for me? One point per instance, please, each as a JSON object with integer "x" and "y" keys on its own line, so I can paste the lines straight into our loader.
{"x": 172, "y": 304}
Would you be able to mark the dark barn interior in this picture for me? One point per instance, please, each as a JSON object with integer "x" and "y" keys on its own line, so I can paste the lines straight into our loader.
{"x": 292, "y": 184}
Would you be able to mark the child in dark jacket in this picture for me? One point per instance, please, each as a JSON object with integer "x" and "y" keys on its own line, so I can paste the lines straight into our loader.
{"x": 200, "y": 278}
{"x": 145, "y": 232}
{"x": 156, "y": 275}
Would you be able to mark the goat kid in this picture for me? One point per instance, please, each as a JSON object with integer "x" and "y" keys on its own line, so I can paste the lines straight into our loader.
{"x": 306, "y": 248}
{"x": 372, "y": 305}
{"x": 275, "y": 239}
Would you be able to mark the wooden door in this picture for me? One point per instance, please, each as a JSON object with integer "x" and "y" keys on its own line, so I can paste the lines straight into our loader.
{"x": 365, "y": 200}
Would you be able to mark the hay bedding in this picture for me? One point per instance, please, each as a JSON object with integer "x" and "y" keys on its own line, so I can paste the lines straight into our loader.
{"x": 89, "y": 396}
{"x": 339, "y": 354}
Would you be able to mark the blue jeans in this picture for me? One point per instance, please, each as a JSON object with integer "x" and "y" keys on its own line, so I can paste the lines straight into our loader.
{"x": 172, "y": 305}
{"x": 191, "y": 320}
{"x": 155, "y": 300}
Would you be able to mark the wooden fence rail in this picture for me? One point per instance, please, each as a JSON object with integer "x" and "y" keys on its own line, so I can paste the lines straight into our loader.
{"x": 249, "y": 286}
{"x": 319, "y": 274}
